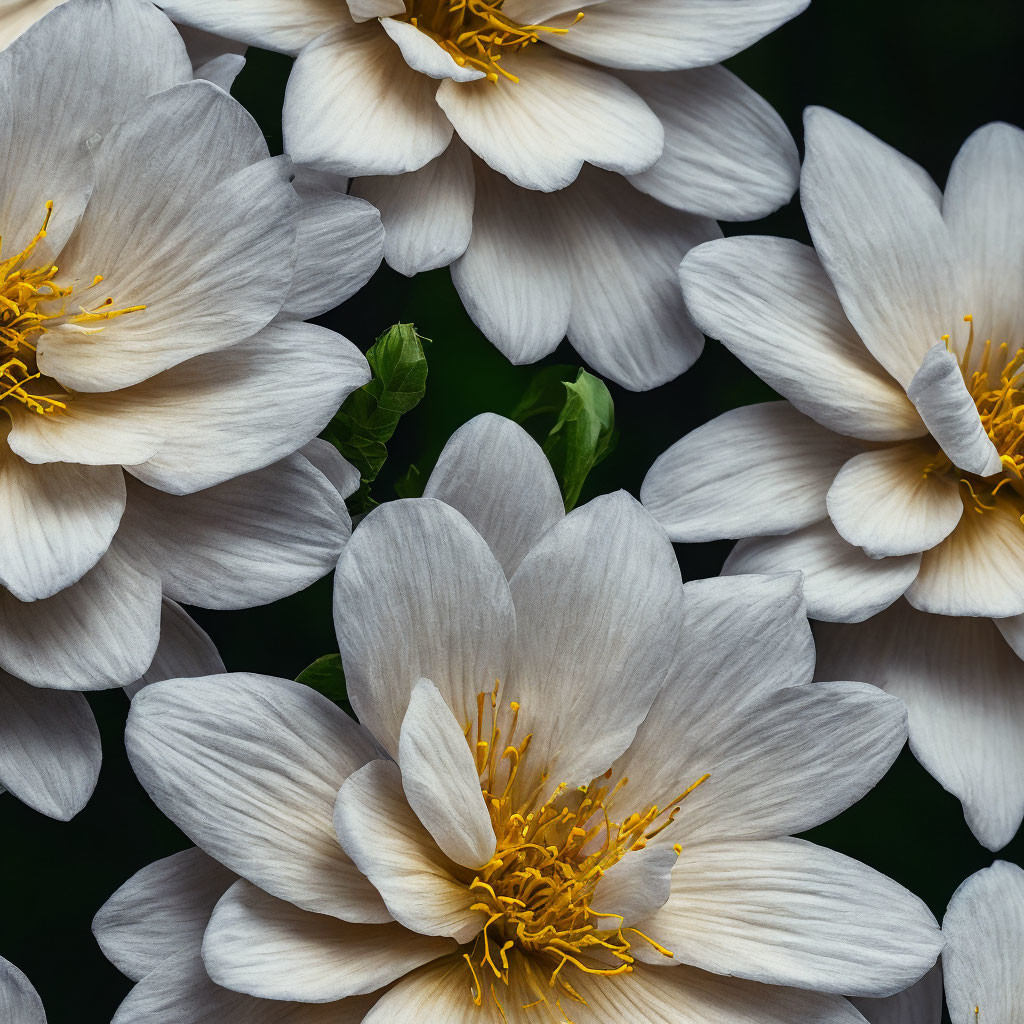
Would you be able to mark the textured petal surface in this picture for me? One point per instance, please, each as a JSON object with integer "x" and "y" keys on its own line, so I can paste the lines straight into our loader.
{"x": 418, "y": 594}
{"x": 769, "y": 301}
{"x": 728, "y": 154}
{"x": 964, "y": 689}
{"x": 499, "y": 478}
{"x": 919, "y": 1004}
{"x": 881, "y": 237}
{"x": 19, "y": 1001}
{"x": 249, "y": 768}
{"x": 754, "y": 470}
{"x": 984, "y": 932}
{"x": 887, "y": 502}
{"x": 841, "y": 583}
{"x": 265, "y": 947}
{"x": 49, "y": 749}
{"x": 161, "y": 910}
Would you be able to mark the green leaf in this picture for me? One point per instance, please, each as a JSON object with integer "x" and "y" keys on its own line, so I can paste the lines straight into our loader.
{"x": 410, "y": 484}
{"x": 545, "y": 394}
{"x": 583, "y": 436}
{"x": 326, "y": 676}
{"x": 366, "y": 422}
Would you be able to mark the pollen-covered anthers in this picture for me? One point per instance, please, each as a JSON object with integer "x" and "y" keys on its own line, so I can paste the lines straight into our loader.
{"x": 28, "y": 294}
{"x": 539, "y": 888}
{"x": 476, "y": 33}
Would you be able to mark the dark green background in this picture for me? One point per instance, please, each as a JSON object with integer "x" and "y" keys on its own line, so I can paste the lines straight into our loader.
{"x": 922, "y": 74}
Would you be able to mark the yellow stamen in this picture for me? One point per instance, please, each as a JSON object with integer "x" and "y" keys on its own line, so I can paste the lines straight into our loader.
{"x": 476, "y": 33}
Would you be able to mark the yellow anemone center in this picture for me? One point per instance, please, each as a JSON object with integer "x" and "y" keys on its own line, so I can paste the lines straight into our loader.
{"x": 538, "y": 891}
{"x": 475, "y": 32}
{"x": 32, "y": 303}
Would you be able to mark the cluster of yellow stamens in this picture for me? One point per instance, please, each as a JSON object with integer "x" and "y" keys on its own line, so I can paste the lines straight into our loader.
{"x": 994, "y": 377}
{"x": 29, "y": 295}
{"x": 475, "y": 32}
{"x": 538, "y": 890}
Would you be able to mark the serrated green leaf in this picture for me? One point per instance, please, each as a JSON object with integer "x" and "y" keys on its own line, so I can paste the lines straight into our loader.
{"x": 583, "y": 436}
{"x": 362, "y": 427}
{"x": 326, "y": 676}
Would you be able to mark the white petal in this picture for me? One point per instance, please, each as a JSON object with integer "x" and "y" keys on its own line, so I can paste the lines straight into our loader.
{"x": 638, "y": 886}
{"x": 209, "y": 281}
{"x": 367, "y": 10}
{"x": 841, "y": 583}
{"x": 684, "y": 995}
{"x": 340, "y": 245}
{"x": 628, "y": 320}
{"x": 769, "y": 301}
{"x": 940, "y": 395}
{"x": 61, "y": 518}
{"x": 184, "y": 650}
{"x": 984, "y": 932}
{"x": 499, "y": 478}
{"x": 265, "y": 947}
{"x": 974, "y": 571}
{"x": 206, "y": 47}
{"x": 19, "y": 1001}
{"x": 284, "y": 25}
{"x": 598, "y": 612}
{"x": 239, "y": 544}
{"x": 133, "y": 51}
{"x": 727, "y": 154}
{"x": 329, "y": 461}
{"x": 964, "y": 689}
{"x": 783, "y": 463}
{"x": 919, "y": 1004}
{"x": 656, "y": 35}
{"x": 99, "y": 633}
{"x": 423, "y": 54}
{"x": 249, "y": 768}
{"x": 439, "y": 993}
{"x": 353, "y": 106}
{"x": 881, "y": 238}
{"x": 887, "y": 502}
{"x": 524, "y": 131}
{"x": 788, "y": 912}
{"x": 427, "y": 214}
{"x": 984, "y": 208}
{"x": 441, "y": 780}
{"x": 418, "y": 594}
{"x": 180, "y": 990}
{"x": 232, "y": 412}
{"x": 386, "y": 841}
{"x": 161, "y": 910}
{"x": 521, "y": 302}
{"x": 49, "y": 748}
{"x": 18, "y": 15}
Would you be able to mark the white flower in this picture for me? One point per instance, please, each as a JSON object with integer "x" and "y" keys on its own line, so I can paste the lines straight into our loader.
{"x": 19, "y": 1001}
{"x": 894, "y": 466}
{"x": 157, "y": 376}
{"x": 567, "y": 800}
{"x": 981, "y": 963}
{"x": 458, "y": 116}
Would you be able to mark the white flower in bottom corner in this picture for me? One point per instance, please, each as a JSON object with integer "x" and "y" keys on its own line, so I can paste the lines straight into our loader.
{"x": 568, "y": 798}
{"x": 562, "y": 157}
{"x": 981, "y": 963}
{"x": 19, "y": 1001}
{"x": 158, "y": 382}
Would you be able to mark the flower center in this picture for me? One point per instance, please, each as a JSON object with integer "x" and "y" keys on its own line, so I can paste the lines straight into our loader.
{"x": 31, "y": 303}
{"x": 475, "y": 32}
{"x": 538, "y": 891}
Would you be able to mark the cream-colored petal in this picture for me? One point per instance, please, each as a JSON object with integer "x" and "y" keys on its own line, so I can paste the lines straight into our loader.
{"x": 919, "y": 1004}
{"x": 387, "y": 842}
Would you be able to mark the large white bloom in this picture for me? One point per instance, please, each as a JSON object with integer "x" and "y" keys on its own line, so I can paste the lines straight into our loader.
{"x": 157, "y": 375}
{"x": 458, "y": 116}
{"x": 568, "y": 798}
{"x": 981, "y": 963}
{"x": 19, "y": 1001}
{"x": 895, "y": 465}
